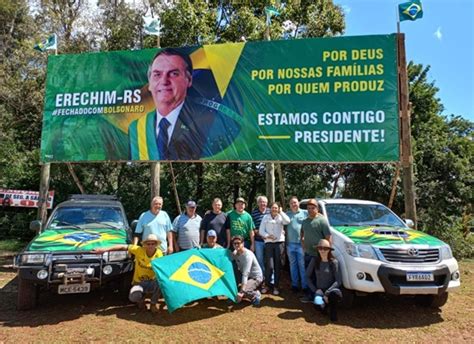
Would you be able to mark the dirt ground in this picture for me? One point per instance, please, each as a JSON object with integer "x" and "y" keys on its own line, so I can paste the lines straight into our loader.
{"x": 102, "y": 317}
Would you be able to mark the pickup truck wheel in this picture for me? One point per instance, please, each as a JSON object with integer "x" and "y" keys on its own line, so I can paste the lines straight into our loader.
{"x": 434, "y": 301}
{"x": 348, "y": 298}
{"x": 124, "y": 285}
{"x": 27, "y": 295}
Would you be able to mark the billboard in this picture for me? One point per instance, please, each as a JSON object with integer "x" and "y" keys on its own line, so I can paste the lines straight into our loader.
{"x": 308, "y": 100}
{"x": 23, "y": 198}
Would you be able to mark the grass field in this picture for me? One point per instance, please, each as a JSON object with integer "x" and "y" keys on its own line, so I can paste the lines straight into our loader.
{"x": 101, "y": 317}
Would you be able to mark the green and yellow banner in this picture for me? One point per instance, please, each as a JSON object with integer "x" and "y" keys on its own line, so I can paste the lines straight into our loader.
{"x": 308, "y": 100}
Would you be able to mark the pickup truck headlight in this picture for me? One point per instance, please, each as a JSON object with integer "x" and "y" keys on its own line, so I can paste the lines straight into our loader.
{"x": 115, "y": 256}
{"x": 445, "y": 252}
{"x": 32, "y": 258}
{"x": 360, "y": 250}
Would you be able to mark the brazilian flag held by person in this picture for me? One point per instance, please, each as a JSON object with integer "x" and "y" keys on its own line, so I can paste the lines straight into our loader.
{"x": 195, "y": 274}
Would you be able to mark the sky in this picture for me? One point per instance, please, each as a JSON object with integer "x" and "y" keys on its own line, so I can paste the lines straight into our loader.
{"x": 443, "y": 39}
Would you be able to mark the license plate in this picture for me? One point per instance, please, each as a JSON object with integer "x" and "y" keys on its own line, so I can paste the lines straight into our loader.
{"x": 74, "y": 288}
{"x": 420, "y": 277}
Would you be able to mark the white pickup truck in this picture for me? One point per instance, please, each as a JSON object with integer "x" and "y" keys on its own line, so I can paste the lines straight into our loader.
{"x": 380, "y": 253}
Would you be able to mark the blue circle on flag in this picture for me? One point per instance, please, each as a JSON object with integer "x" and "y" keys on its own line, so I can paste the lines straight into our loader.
{"x": 81, "y": 237}
{"x": 199, "y": 272}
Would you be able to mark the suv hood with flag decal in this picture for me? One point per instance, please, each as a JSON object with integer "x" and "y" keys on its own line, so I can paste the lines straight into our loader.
{"x": 386, "y": 236}
{"x": 77, "y": 240}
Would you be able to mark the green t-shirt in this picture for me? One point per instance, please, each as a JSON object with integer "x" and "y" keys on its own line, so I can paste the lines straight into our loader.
{"x": 314, "y": 230}
{"x": 240, "y": 224}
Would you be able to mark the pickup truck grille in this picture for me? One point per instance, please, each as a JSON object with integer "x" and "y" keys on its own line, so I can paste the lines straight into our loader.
{"x": 430, "y": 255}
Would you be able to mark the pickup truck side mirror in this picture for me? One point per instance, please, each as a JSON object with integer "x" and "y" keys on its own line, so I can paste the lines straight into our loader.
{"x": 409, "y": 223}
{"x": 35, "y": 226}
{"x": 133, "y": 225}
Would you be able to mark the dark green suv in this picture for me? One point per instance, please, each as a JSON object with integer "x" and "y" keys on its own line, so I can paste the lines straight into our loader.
{"x": 60, "y": 257}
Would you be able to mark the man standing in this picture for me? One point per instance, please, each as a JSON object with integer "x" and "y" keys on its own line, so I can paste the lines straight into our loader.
{"x": 144, "y": 280}
{"x": 293, "y": 245}
{"x": 214, "y": 220}
{"x": 240, "y": 223}
{"x": 248, "y": 266}
{"x": 211, "y": 240}
{"x": 257, "y": 216}
{"x": 179, "y": 128}
{"x": 186, "y": 228}
{"x": 314, "y": 228}
{"x": 156, "y": 221}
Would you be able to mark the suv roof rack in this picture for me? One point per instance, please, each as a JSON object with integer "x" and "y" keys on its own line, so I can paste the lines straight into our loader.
{"x": 80, "y": 197}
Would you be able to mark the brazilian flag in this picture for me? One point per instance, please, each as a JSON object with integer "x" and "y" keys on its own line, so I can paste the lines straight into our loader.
{"x": 410, "y": 10}
{"x": 195, "y": 274}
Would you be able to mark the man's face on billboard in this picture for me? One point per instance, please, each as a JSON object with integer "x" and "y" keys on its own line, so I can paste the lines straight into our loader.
{"x": 169, "y": 82}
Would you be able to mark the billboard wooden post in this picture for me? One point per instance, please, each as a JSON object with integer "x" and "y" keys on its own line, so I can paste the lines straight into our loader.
{"x": 43, "y": 194}
{"x": 270, "y": 166}
{"x": 405, "y": 137}
{"x": 155, "y": 167}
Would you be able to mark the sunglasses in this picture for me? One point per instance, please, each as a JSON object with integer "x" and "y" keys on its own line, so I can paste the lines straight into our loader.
{"x": 324, "y": 248}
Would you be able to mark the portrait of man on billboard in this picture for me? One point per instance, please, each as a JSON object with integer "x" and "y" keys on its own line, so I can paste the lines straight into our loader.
{"x": 180, "y": 126}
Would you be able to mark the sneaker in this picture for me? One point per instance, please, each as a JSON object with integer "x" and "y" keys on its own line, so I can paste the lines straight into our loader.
{"x": 306, "y": 299}
{"x": 256, "y": 300}
{"x": 265, "y": 290}
{"x": 276, "y": 291}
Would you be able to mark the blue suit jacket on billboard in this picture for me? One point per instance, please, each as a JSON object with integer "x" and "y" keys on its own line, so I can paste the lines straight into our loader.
{"x": 199, "y": 131}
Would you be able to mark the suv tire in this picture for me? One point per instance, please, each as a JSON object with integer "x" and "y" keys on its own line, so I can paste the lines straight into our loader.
{"x": 27, "y": 295}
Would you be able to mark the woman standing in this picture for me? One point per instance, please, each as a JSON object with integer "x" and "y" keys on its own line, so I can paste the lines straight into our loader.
{"x": 271, "y": 230}
{"x": 328, "y": 279}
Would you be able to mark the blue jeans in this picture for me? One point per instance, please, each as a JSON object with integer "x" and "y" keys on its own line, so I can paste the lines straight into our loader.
{"x": 297, "y": 268}
{"x": 259, "y": 249}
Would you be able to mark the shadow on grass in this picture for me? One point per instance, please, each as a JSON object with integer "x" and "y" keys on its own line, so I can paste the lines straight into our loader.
{"x": 372, "y": 312}
{"x": 379, "y": 312}
{"x": 55, "y": 309}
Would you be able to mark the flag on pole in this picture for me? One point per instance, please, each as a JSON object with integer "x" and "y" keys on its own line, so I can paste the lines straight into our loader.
{"x": 195, "y": 274}
{"x": 410, "y": 10}
{"x": 51, "y": 43}
{"x": 271, "y": 11}
{"x": 152, "y": 25}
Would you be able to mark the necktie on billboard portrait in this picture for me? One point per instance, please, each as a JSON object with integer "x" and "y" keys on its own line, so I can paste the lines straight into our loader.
{"x": 163, "y": 138}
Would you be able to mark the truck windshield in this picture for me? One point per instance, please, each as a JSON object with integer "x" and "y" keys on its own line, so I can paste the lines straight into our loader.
{"x": 361, "y": 215}
{"x": 87, "y": 217}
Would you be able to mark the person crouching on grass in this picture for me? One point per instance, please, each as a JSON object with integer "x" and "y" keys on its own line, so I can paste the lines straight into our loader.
{"x": 328, "y": 279}
{"x": 252, "y": 276}
{"x": 144, "y": 280}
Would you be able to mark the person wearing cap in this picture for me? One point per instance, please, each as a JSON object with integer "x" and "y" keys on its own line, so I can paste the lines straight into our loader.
{"x": 328, "y": 278}
{"x": 211, "y": 240}
{"x": 186, "y": 228}
{"x": 314, "y": 228}
{"x": 293, "y": 245}
{"x": 257, "y": 215}
{"x": 144, "y": 280}
{"x": 272, "y": 231}
{"x": 155, "y": 221}
{"x": 240, "y": 223}
{"x": 250, "y": 271}
{"x": 214, "y": 220}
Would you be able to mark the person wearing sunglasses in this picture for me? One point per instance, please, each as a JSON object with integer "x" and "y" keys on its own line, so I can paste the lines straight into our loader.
{"x": 328, "y": 279}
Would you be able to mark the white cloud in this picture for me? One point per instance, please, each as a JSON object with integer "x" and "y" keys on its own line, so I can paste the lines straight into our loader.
{"x": 346, "y": 9}
{"x": 438, "y": 34}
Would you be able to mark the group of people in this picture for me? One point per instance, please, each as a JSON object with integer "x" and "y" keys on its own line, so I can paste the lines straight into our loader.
{"x": 257, "y": 241}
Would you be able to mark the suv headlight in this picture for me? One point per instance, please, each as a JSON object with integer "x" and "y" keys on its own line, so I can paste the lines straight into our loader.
{"x": 445, "y": 252}
{"x": 32, "y": 258}
{"x": 114, "y": 256}
{"x": 360, "y": 250}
